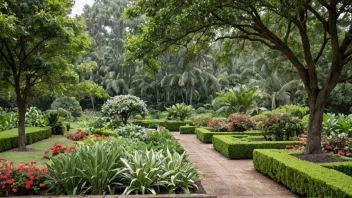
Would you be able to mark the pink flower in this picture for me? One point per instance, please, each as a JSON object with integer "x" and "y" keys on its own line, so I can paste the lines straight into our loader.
{"x": 41, "y": 185}
{"x": 14, "y": 190}
{"x": 9, "y": 181}
{"x": 341, "y": 152}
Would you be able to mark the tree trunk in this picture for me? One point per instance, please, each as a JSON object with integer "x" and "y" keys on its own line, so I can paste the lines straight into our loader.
{"x": 315, "y": 126}
{"x": 293, "y": 97}
{"x": 92, "y": 100}
{"x": 273, "y": 101}
{"x": 21, "y": 105}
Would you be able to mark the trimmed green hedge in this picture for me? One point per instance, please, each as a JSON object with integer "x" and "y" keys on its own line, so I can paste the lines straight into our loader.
{"x": 9, "y": 138}
{"x": 187, "y": 129}
{"x": 302, "y": 177}
{"x": 205, "y": 135}
{"x": 241, "y": 147}
{"x": 172, "y": 125}
{"x": 149, "y": 123}
{"x": 344, "y": 167}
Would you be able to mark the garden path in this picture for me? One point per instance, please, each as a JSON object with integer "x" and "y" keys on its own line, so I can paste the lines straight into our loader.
{"x": 229, "y": 178}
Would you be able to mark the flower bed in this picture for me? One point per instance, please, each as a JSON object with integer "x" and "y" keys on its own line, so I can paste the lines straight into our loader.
{"x": 187, "y": 129}
{"x": 205, "y": 134}
{"x": 25, "y": 179}
{"x": 9, "y": 138}
{"x": 304, "y": 178}
{"x": 241, "y": 147}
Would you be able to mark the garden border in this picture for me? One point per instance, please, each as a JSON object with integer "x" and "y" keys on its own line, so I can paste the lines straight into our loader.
{"x": 10, "y": 141}
{"x": 205, "y": 135}
{"x": 187, "y": 129}
{"x": 235, "y": 148}
{"x": 302, "y": 177}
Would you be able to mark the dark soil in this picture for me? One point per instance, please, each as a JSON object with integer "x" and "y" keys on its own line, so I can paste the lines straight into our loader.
{"x": 200, "y": 190}
{"x": 318, "y": 158}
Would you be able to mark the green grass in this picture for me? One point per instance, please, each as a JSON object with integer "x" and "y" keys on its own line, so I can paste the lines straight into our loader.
{"x": 41, "y": 146}
{"x": 74, "y": 126}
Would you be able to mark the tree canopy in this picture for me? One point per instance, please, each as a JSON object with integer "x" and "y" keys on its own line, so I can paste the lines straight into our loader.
{"x": 38, "y": 44}
{"x": 308, "y": 33}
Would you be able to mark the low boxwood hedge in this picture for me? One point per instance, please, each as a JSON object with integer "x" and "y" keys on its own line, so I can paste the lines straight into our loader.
{"x": 9, "y": 138}
{"x": 187, "y": 129}
{"x": 242, "y": 146}
{"x": 344, "y": 167}
{"x": 172, "y": 125}
{"x": 304, "y": 178}
{"x": 205, "y": 134}
{"x": 149, "y": 123}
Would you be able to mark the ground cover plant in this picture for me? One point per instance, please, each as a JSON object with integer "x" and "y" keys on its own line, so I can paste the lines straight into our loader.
{"x": 153, "y": 164}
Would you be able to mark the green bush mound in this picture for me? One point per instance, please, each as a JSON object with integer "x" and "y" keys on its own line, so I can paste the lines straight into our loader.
{"x": 205, "y": 134}
{"x": 242, "y": 146}
{"x": 9, "y": 138}
{"x": 343, "y": 167}
{"x": 172, "y": 125}
{"x": 187, "y": 129}
{"x": 304, "y": 178}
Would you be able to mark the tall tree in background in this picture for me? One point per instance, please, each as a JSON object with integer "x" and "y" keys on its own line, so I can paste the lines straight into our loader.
{"x": 107, "y": 28}
{"x": 301, "y": 30}
{"x": 38, "y": 44}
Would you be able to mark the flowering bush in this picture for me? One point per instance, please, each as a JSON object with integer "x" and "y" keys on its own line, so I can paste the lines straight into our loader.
{"x": 124, "y": 106}
{"x": 78, "y": 135}
{"x": 23, "y": 179}
{"x": 281, "y": 127}
{"x": 338, "y": 144}
{"x": 58, "y": 148}
{"x": 91, "y": 139}
{"x": 241, "y": 122}
{"x": 219, "y": 125}
{"x": 295, "y": 147}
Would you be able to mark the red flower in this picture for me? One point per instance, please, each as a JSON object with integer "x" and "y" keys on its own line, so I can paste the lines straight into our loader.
{"x": 46, "y": 151}
{"x": 41, "y": 185}
{"x": 3, "y": 186}
{"x": 28, "y": 184}
{"x": 9, "y": 181}
{"x": 14, "y": 190}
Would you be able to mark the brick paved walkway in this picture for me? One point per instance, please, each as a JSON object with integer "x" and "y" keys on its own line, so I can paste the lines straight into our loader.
{"x": 229, "y": 178}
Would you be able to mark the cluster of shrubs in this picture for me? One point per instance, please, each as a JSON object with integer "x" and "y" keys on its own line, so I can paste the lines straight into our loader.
{"x": 236, "y": 122}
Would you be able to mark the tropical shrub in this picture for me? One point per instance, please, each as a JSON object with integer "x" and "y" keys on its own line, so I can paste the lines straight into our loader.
{"x": 35, "y": 117}
{"x": 68, "y": 103}
{"x": 240, "y": 122}
{"x": 124, "y": 106}
{"x": 281, "y": 127}
{"x": 179, "y": 111}
{"x": 155, "y": 114}
{"x": 55, "y": 123}
{"x": 238, "y": 99}
{"x": 293, "y": 110}
{"x": 8, "y": 121}
{"x": 25, "y": 179}
{"x": 337, "y": 124}
{"x": 132, "y": 132}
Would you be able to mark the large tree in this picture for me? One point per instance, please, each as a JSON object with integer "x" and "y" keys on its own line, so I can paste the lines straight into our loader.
{"x": 303, "y": 31}
{"x": 38, "y": 44}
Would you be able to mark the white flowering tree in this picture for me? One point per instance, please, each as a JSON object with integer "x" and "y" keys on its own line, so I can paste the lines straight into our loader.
{"x": 124, "y": 106}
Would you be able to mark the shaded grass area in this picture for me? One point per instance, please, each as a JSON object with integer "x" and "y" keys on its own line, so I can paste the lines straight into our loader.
{"x": 37, "y": 155}
{"x": 14, "y": 132}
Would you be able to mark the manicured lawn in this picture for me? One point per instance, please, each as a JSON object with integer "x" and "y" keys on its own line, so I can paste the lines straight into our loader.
{"x": 41, "y": 146}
